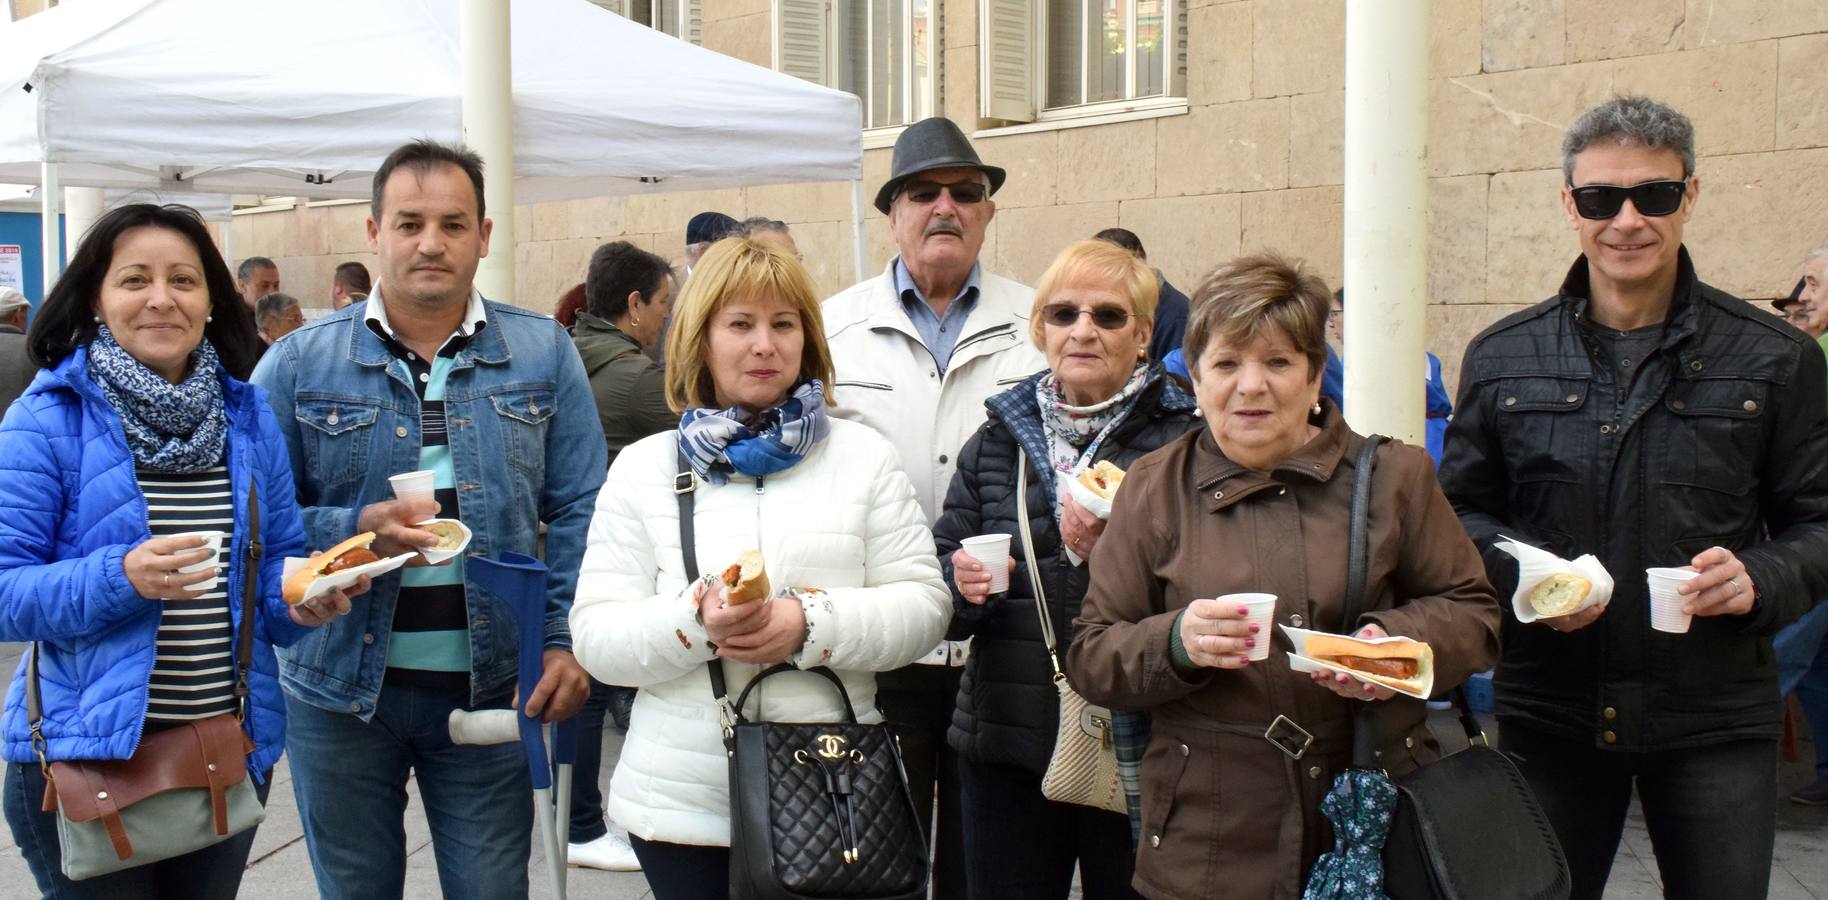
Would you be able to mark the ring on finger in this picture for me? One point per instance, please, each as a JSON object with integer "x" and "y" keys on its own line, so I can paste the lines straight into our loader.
{"x": 1735, "y": 583}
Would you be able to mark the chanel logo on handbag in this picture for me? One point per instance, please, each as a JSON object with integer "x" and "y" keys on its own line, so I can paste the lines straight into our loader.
{"x": 831, "y": 746}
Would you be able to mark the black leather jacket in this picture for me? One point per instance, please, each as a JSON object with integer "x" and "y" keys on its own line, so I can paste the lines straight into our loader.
{"x": 1722, "y": 439}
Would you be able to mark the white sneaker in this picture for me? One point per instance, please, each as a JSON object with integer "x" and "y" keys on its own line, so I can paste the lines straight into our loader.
{"x": 610, "y": 853}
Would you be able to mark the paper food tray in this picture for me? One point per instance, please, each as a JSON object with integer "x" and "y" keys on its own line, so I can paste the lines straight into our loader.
{"x": 435, "y": 557}
{"x": 1299, "y": 661}
{"x": 1535, "y": 564}
{"x": 347, "y": 577}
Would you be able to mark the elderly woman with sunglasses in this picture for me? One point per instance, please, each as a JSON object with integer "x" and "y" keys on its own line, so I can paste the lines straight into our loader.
{"x": 1099, "y": 399}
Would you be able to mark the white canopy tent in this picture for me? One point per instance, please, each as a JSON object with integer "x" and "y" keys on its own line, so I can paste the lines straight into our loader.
{"x": 275, "y": 97}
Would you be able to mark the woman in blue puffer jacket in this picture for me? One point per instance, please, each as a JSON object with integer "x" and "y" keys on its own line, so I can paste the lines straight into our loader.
{"x": 137, "y": 435}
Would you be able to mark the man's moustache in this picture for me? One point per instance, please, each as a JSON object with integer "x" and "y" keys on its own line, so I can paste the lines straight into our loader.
{"x": 944, "y": 226}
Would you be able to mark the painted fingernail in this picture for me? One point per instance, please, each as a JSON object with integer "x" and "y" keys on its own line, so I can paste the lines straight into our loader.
{"x": 1255, "y": 628}
{"x": 1243, "y": 611}
{"x": 1250, "y": 642}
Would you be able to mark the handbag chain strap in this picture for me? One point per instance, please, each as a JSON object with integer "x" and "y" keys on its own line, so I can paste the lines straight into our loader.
{"x": 1028, "y": 555}
{"x": 244, "y": 639}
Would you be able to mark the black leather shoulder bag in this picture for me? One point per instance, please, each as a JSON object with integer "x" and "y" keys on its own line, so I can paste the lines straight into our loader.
{"x": 817, "y": 809}
{"x": 1467, "y": 826}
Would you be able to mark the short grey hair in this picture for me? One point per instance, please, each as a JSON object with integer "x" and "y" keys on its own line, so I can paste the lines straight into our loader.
{"x": 1817, "y": 253}
{"x": 1631, "y": 122}
{"x": 748, "y": 227}
{"x": 272, "y": 306}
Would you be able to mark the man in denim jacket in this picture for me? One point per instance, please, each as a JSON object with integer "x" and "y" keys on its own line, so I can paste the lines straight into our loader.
{"x": 425, "y": 374}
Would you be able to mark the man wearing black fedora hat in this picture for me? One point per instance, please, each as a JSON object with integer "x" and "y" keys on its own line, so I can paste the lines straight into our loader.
{"x": 916, "y": 352}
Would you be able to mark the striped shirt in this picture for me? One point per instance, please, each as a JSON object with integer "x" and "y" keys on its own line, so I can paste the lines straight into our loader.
{"x": 193, "y": 675}
{"x": 430, "y": 645}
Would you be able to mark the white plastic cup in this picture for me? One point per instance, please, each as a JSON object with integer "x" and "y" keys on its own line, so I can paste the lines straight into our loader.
{"x": 1259, "y": 610}
{"x": 413, "y": 485}
{"x": 1666, "y": 613}
{"x": 212, "y": 541}
{"x": 993, "y": 551}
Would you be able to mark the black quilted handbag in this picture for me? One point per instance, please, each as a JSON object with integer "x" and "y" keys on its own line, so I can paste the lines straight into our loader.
{"x": 817, "y": 809}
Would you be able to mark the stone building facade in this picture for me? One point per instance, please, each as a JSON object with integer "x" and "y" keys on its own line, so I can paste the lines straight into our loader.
{"x": 1251, "y": 158}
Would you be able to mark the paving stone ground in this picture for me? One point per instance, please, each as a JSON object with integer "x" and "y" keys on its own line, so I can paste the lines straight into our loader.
{"x": 279, "y": 870}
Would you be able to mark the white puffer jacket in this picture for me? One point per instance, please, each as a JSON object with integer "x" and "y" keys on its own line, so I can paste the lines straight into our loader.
{"x": 843, "y": 519}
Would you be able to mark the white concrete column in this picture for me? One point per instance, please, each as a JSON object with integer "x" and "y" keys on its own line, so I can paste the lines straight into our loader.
{"x": 488, "y": 128}
{"x": 82, "y": 206}
{"x": 858, "y": 241}
{"x": 1386, "y": 216}
{"x": 51, "y": 238}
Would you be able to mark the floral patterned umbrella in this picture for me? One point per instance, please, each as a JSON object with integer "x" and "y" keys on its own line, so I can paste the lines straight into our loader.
{"x": 1359, "y": 806}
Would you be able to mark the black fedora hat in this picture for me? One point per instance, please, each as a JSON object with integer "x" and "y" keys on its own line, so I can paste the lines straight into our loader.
{"x": 929, "y": 144}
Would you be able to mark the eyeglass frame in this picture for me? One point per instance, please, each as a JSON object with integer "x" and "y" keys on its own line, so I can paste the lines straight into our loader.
{"x": 1079, "y": 312}
{"x": 946, "y": 187}
{"x": 1628, "y": 192}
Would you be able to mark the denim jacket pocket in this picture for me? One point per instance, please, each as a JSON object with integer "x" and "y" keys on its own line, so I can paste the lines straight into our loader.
{"x": 524, "y": 415}
{"x": 337, "y": 438}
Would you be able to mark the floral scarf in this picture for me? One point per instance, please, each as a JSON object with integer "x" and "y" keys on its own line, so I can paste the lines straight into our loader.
{"x": 170, "y": 427}
{"x": 1076, "y": 432}
{"x": 719, "y": 442}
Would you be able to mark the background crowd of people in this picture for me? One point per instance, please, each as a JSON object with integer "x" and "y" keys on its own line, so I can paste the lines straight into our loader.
{"x": 859, "y": 442}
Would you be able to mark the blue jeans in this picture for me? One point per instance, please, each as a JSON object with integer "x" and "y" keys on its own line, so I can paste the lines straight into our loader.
{"x": 213, "y": 873}
{"x": 350, "y": 780}
{"x": 1802, "y": 666}
{"x": 1710, "y": 810}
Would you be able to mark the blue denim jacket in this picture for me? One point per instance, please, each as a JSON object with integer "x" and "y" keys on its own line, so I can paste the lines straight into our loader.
{"x": 526, "y": 448}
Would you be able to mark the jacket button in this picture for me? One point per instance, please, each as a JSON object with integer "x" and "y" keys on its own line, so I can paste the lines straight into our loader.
{"x": 1282, "y": 492}
{"x": 1295, "y": 620}
{"x": 1155, "y": 840}
{"x": 101, "y": 795}
{"x": 1218, "y": 495}
{"x": 1510, "y": 401}
{"x": 1409, "y": 743}
{"x": 1573, "y": 398}
{"x": 331, "y": 420}
{"x": 1751, "y": 406}
{"x": 1313, "y": 771}
{"x": 355, "y": 707}
{"x": 1695, "y": 366}
{"x": 367, "y": 638}
{"x": 400, "y": 431}
{"x": 942, "y": 459}
{"x": 1184, "y": 750}
{"x": 1610, "y": 737}
{"x": 1606, "y": 429}
{"x": 1678, "y": 405}
{"x": 1610, "y": 713}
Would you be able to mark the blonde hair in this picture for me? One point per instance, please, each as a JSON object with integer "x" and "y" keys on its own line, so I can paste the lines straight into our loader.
{"x": 1095, "y": 263}
{"x": 738, "y": 267}
{"x": 1241, "y": 298}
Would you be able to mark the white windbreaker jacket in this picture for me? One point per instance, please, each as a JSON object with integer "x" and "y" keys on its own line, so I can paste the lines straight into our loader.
{"x": 886, "y": 378}
{"x": 843, "y": 519}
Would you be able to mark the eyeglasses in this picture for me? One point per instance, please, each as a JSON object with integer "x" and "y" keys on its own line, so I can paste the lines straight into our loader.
{"x": 1652, "y": 198}
{"x": 963, "y": 192}
{"x": 1109, "y": 318}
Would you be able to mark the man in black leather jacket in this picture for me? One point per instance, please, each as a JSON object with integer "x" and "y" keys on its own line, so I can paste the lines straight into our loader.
{"x": 1651, "y": 420}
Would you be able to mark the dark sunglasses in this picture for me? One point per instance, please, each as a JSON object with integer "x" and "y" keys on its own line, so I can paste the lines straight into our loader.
{"x": 963, "y": 192}
{"x": 1652, "y": 198}
{"x": 1109, "y": 318}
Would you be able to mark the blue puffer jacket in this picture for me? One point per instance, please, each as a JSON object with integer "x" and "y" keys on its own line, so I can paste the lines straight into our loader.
{"x": 70, "y": 510}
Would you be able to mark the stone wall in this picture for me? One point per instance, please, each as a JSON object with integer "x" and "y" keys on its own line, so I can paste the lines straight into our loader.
{"x": 1255, "y": 161}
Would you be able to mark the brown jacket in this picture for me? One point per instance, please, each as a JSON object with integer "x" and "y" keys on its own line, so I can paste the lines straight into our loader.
{"x": 1225, "y": 813}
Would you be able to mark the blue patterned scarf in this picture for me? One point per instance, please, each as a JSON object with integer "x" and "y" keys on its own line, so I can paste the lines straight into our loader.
{"x": 718, "y": 442}
{"x": 170, "y": 427}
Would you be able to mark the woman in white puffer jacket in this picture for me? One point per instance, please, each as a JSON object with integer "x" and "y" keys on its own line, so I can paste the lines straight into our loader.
{"x": 858, "y": 587}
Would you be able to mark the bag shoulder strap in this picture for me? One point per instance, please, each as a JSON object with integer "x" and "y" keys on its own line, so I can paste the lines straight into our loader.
{"x": 244, "y": 635}
{"x": 1028, "y": 556}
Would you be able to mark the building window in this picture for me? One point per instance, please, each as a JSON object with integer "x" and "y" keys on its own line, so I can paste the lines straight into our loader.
{"x": 884, "y": 51}
{"x": 680, "y": 18}
{"x": 1054, "y": 58}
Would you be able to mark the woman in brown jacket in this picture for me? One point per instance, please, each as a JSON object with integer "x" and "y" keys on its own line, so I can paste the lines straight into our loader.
{"x": 1259, "y": 501}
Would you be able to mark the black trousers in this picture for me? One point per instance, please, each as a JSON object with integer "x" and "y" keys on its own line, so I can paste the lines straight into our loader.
{"x": 918, "y": 701}
{"x": 1710, "y": 810}
{"x": 683, "y": 871}
{"x": 1025, "y": 846}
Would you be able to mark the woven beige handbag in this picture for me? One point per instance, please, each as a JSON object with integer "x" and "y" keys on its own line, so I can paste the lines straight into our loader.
{"x": 1083, "y": 768}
